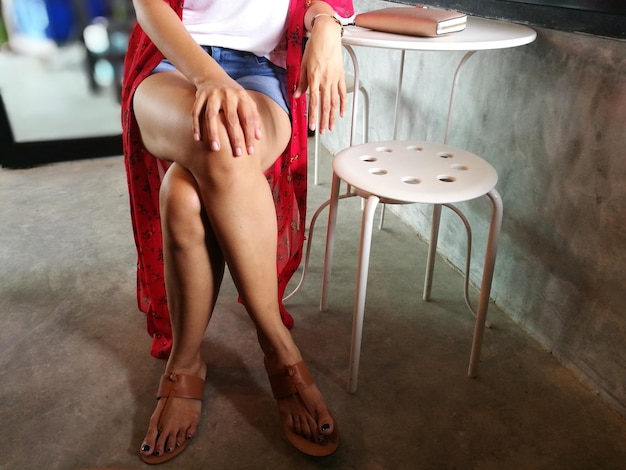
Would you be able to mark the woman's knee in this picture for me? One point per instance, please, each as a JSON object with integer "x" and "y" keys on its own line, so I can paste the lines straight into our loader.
{"x": 222, "y": 169}
{"x": 181, "y": 208}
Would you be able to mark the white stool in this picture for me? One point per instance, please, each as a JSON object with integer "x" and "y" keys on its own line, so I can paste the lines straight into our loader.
{"x": 407, "y": 172}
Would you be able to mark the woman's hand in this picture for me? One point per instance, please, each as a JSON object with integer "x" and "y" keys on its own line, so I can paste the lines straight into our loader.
{"x": 225, "y": 101}
{"x": 323, "y": 75}
{"x": 216, "y": 93}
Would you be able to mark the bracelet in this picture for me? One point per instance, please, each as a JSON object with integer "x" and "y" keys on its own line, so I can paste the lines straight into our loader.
{"x": 333, "y": 17}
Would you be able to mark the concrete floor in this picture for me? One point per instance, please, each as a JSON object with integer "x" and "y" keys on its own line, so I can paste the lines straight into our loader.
{"x": 78, "y": 383}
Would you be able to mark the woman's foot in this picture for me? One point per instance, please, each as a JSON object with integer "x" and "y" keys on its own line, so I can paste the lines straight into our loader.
{"x": 177, "y": 414}
{"x": 304, "y": 416}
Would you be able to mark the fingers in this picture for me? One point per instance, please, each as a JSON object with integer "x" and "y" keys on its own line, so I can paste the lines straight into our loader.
{"x": 326, "y": 104}
{"x": 227, "y": 108}
{"x": 327, "y": 95}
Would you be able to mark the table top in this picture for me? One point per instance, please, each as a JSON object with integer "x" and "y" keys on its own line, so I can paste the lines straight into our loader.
{"x": 480, "y": 34}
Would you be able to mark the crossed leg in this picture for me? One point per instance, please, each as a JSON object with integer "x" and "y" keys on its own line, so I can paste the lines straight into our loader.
{"x": 218, "y": 209}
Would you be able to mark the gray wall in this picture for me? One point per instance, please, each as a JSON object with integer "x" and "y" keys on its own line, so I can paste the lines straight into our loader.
{"x": 551, "y": 118}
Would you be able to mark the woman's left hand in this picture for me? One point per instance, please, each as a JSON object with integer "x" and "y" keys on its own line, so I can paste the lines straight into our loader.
{"x": 322, "y": 74}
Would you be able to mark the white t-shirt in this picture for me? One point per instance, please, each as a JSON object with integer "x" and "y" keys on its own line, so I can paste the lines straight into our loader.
{"x": 247, "y": 25}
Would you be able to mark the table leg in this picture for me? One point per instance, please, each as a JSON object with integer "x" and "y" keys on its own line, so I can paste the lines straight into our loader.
{"x": 355, "y": 94}
{"x": 453, "y": 90}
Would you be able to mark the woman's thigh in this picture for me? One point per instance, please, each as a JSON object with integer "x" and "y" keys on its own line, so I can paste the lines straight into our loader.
{"x": 162, "y": 105}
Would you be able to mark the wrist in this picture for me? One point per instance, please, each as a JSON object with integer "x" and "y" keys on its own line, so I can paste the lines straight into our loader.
{"x": 328, "y": 19}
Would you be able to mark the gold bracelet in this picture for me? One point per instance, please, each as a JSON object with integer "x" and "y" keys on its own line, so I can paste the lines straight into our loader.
{"x": 333, "y": 17}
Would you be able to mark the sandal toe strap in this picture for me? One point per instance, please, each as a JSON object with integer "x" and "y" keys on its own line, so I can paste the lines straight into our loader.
{"x": 290, "y": 380}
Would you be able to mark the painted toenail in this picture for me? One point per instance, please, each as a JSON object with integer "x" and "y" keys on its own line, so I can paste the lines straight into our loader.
{"x": 157, "y": 453}
{"x": 145, "y": 448}
{"x": 169, "y": 449}
{"x": 320, "y": 439}
{"x": 325, "y": 427}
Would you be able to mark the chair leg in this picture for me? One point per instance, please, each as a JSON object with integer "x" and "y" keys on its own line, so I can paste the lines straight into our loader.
{"x": 330, "y": 240}
{"x": 361, "y": 289}
{"x": 485, "y": 288}
{"x": 432, "y": 251}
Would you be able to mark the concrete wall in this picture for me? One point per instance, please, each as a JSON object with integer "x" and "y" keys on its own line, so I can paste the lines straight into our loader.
{"x": 551, "y": 118}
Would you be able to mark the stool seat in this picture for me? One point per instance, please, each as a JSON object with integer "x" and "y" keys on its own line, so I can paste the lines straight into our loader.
{"x": 407, "y": 172}
{"x": 415, "y": 172}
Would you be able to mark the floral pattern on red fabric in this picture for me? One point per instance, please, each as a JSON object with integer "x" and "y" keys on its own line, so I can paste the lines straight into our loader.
{"x": 287, "y": 179}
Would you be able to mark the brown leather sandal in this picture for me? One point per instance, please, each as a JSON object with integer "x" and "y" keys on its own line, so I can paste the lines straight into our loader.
{"x": 294, "y": 379}
{"x": 175, "y": 386}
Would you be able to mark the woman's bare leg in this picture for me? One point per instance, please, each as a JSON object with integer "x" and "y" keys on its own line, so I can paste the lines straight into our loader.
{"x": 241, "y": 213}
{"x": 194, "y": 269}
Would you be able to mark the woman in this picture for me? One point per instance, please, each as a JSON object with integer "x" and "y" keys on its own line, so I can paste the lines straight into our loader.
{"x": 216, "y": 118}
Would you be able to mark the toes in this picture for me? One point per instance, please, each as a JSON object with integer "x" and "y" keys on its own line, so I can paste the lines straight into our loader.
{"x": 326, "y": 425}
{"x": 149, "y": 442}
{"x": 169, "y": 442}
{"x": 146, "y": 449}
{"x": 189, "y": 432}
{"x": 306, "y": 429}
{"x": 312, "y": 422}
{"x": 160, "y": 445}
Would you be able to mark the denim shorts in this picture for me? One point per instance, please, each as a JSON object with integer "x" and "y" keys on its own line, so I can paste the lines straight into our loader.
{"x": 250, "y": 71}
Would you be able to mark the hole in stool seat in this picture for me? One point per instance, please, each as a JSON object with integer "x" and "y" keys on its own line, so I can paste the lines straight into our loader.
{"x": 378, "y": 171}
{"x": 459, "y": 167}
{"x": 446, "y": 179}
{"x": 445, "y": 155}
{"x": 411, "y": 180}
{"x": 384, "y": 149}
{"x": 417, "y": 148}
{"x": 368, "y": 158}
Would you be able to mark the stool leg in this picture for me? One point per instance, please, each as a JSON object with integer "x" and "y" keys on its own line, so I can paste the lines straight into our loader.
{"x": 432, "y": 251}
{"x": 330, "y": 240}
{"x": 367, "y": 223}
{"x": 485, "y": 288}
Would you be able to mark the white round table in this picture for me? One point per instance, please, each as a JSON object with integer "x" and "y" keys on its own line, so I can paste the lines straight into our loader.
{"x": 480, "y": 34}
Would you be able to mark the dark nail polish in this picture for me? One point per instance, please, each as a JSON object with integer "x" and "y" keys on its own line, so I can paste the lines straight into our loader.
{"x": 157, "y": 453}
{"x": 320, "y": 439}
{"x": 325, "y": 427}
{"x": 145, "y": 448}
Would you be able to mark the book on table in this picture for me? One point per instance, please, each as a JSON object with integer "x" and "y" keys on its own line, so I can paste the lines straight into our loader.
{"x": 413, "y": 21}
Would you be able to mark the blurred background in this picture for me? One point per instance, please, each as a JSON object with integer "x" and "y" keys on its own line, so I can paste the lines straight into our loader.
{"x": 60, "y": 69}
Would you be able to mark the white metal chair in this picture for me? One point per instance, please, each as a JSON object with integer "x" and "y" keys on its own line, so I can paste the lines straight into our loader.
{"x": 407, "y": 172}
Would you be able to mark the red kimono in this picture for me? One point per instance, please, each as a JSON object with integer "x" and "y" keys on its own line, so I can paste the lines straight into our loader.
{"x": 287, "y": 178}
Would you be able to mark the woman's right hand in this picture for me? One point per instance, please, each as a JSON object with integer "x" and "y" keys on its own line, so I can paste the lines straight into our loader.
{"x": 225, "y": 101}
{"x": 218, "y": 97}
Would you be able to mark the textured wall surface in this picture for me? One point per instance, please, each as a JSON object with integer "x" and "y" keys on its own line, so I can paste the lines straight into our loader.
{"x": 551, "y": 118}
